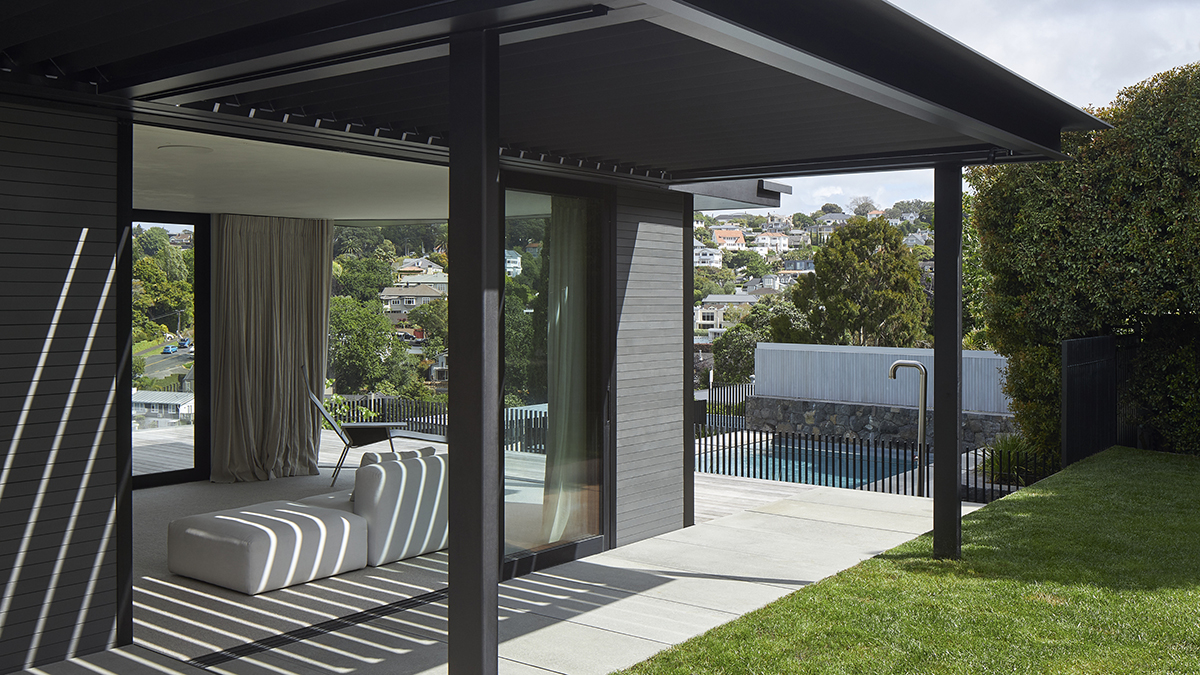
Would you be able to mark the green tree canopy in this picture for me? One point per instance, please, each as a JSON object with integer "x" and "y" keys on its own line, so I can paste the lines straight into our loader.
{"x": 171, "y": 261}
{"x": 149, "y": 273}
{"x": 753, "y": 262}
{"x": 520, "y": 232}
{"x": 433, "y": 318}
{"x": 922, "y": 208}
{"x": 733, "y": 353}
{"x": 414, "y": 239}
{"x": 861, "y": 206}
{"x": 830, "y": 208}
{"x": 866, "y": 290}
{"x": 153, "y": 240}
{"x": 1103, "y": 245}
{"x": 802, "y": 220}
{"x": 357, "y": 242}
{"x": 922, "y": 252}
{"x": 362, "y": 278}
{"x": 364, "y": 352}
{"x": 702, "y": 287}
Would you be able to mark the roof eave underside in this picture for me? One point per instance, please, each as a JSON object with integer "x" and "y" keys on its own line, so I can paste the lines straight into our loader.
{"x": 689, "y": 91}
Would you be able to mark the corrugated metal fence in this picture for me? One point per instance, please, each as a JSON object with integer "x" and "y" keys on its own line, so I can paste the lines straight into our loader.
{"x": 859, "y": 375}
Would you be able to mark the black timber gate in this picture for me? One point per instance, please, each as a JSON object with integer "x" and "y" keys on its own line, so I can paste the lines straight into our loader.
{"x": 1089, "y": 397}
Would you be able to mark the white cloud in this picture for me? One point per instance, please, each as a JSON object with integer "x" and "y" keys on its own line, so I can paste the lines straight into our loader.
{"x": 1083, "y": 51}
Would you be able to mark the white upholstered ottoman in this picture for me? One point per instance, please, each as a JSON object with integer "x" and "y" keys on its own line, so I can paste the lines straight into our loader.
{"x": 266, "y": 546}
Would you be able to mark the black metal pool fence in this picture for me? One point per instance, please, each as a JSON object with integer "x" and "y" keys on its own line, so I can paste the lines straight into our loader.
{"x": 891, "y": 467}
{"x": 524, "y": 428}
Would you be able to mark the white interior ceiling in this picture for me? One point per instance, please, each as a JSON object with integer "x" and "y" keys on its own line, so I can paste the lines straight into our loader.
{"x": 200, "y": 173}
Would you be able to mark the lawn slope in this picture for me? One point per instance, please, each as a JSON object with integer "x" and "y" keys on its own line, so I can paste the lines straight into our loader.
{"x": 1093, "y": 570}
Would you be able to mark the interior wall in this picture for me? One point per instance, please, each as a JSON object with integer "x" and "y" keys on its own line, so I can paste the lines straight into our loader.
{"x": 650, "y": 364}
{"x": 58, "y": 220}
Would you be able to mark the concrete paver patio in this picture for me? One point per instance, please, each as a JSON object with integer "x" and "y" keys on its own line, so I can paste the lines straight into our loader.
{"x": 614, "y": 609}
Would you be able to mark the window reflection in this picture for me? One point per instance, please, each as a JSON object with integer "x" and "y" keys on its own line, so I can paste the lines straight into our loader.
{"x": 550, "y": 456}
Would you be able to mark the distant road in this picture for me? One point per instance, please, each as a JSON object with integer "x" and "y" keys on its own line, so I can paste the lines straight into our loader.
{"x": 159, "y": 365}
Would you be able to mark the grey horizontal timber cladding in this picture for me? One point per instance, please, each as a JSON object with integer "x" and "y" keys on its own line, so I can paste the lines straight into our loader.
{"x": 58, "y": 178}
{"x": 650, "y": 368}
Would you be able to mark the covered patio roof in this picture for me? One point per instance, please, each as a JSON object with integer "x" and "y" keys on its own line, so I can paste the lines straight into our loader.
{"x": 663, "y": 90}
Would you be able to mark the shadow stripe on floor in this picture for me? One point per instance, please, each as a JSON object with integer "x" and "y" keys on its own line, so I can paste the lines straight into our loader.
{"x": 323, "y": 628}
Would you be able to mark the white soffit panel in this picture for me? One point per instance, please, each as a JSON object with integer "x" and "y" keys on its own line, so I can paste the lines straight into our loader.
{"x": 201, "y": 173}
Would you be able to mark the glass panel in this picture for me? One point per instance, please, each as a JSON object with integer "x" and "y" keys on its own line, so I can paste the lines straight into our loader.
{"x": 164, "y": 405}
{"x": 551, "y": 455}
{"x": 387, "y": 333}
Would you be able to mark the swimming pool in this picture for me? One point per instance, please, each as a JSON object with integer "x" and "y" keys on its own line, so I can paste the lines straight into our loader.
{"x": 808, "y": 460}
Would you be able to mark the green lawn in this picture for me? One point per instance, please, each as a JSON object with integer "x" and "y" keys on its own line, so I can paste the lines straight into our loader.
{"x": 146, "y": 345}
{"x": 1093, "y": 570}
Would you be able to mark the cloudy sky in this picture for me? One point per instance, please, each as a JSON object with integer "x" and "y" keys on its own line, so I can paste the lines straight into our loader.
{"x": 1083, "y": 51}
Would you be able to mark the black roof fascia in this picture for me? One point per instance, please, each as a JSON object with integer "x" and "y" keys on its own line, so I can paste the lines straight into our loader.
{"x": 924, "y": 159}
{"x": 877, "y": 52}
{"x": 388, "y": 40}
{"x": 749, "y": 192}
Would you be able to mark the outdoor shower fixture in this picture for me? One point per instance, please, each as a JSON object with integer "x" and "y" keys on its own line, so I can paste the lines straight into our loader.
{"x": 920, "y": 419}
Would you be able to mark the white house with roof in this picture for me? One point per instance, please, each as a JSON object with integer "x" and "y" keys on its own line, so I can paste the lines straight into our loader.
{"x": 711, "y": 312}
{"x": 835, "y": 219}
{"x": 730, "y": 240}
{"x": 399, "y": 300}
{"x": 798, "y": 239}
{"x": 417, "y": 266}
{"x": 439, "y": 281}
{"x": 770, "y": 242}
{"x": 917, "y": 238}
{"x": 512, "y": 263}
{"x": 770, "y": 283}
{"x": 702, "y": 256}
{"x": 171, "y": 405}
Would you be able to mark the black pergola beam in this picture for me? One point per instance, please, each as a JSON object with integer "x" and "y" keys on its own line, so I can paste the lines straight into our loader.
{"x": 474, "y": 426}
{"x": 947, "y": 360}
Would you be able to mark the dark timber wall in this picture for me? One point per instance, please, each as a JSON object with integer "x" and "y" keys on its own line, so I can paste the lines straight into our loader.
{"x": 58, "y": 526}
{"x": 650, "y": 363}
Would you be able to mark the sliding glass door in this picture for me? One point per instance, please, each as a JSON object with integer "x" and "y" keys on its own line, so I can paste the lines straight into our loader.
{"x": 552, "y": 440}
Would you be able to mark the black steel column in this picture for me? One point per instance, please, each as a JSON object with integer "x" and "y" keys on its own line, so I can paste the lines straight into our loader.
{"x": 947, "y": 360}
{"x": 123, "y": 401}
{"x": 689, "y": 371}
{"x": 473, "y": 431}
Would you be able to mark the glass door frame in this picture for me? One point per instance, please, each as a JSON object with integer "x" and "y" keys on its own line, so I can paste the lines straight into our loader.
{"x": 602, "y": 345}
{"x": 202, "y": 302}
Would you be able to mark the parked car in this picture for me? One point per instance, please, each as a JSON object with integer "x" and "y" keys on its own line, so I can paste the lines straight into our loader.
{"x": 170, "y": 349}
{"x": 184, "y": 342}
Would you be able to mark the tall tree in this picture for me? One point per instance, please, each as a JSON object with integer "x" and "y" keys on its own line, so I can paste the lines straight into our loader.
{"x": 170, "y": 260}
{"x": 861, "y": 206}
{"x": 364, "y": 353}
{"x": 433, "y": 318}
{"x": 357, "y": 242}
{"x": 362, "y": 278}
{"x": 1103, "y": 245}
{"x": 802, "y": 220}
{"x": 866, "y": 289}
{"x": 153, "y": 240}
{"x": 830, "y": 208}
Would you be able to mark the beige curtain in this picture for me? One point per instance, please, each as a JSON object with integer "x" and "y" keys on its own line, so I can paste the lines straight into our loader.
{"x": 565, "y": 508}
{"x": 271, "y": 280}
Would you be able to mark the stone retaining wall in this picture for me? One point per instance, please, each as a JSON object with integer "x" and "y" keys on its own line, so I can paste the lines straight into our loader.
{"x": 869, "y": 422}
